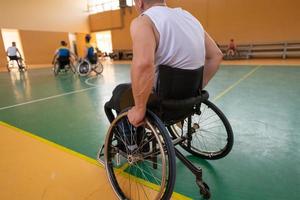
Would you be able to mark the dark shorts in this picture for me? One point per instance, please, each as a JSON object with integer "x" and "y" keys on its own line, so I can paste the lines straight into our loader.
{"x": 122, "y": 98}
{"x": 13, "y": 58}
{"x": 93, "y": 59}
{"x": 174, "y": 86}
{"x": 63, "y": 61}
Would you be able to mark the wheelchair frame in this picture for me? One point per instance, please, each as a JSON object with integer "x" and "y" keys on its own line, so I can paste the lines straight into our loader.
{"x": 183, "y": 141}
{"x": 10, "y": 64}
{"x": 67, "y": 67}
{"x": 97, "y": 68}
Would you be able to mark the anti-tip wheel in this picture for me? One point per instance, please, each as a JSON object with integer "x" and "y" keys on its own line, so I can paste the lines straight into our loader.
{"x": 204, "y": 189}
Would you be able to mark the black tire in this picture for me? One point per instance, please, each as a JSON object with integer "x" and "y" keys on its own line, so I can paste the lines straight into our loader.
{"x": 56, "y": 68}
{"x": 98, "y": 68}
{"x": 211, "y": 145}
{"x": 23, "y": 65}
{"x": 127, "y": 157}
{"x": 84, "y": 68}
{"x": 72, "y": 67}
{"x": 8, "y": 67}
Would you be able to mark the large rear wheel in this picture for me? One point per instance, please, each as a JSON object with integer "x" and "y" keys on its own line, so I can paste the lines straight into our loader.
{"x": 140, "y": 162}
{"x": 211, "y": 135}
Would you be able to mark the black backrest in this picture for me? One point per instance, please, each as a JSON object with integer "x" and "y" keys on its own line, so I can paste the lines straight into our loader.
{"x": 178, "y": 84}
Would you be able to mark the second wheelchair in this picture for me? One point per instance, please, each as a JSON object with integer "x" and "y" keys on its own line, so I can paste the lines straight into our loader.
{"x": 63, "y": 65}
{"x": 86, "y": 66}
{"x": 17, "y": 62}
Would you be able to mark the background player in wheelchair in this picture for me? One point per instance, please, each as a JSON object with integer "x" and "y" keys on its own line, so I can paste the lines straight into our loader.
{"x": 91, "y": 61}
{"x": 14, "y": 55}
{"x": 164, "y": 106}
{"x": 62, "y": 59}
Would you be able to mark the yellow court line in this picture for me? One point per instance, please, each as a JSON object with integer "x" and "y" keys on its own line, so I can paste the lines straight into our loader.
{"x": 236, "y": 83}
{"x": 86, "y": 158}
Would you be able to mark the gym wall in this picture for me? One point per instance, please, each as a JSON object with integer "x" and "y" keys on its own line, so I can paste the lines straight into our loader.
{"x": 2, "y": 53}
{"x": 118, "y": 21}
{"x": 246, "y": 21}
{"x": 39, "y": 46}
{"x": 54, "y": 15}
{"x": 42, "y": 24}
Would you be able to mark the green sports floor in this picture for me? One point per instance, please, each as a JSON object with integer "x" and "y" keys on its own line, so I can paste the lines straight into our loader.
{"x": 262, "y": 104}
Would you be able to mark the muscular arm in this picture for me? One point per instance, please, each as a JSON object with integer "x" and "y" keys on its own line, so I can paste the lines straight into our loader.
{"x": 143, "y": 69}
{"x": 19, "y": 53}
{"x": 55, "y": 56}
{"x": 212, "y": 60}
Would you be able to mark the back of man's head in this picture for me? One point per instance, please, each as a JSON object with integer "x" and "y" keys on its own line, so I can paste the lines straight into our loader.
{"x": 63, "y": 43}
{"x": 153, "y": 1}
{"x": 14, "y": 44}
{"x": 88, "y": 38}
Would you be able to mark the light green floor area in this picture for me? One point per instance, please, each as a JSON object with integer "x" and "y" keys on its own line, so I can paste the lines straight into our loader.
{"x": 262, "y": 104}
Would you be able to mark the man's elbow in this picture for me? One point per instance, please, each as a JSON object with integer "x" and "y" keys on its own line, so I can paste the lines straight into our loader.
{"x": 143, "y": 64}
{"x": 219, "y": 56}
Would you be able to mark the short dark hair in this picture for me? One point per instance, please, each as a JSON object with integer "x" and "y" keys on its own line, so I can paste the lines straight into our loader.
{"x": 154, "y": 1}
{"x": 63, "y": 43}
{"x": 88, "y": 38}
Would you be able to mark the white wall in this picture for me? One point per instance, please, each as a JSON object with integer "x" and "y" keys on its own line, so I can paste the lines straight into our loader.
{"x": 12, "y": 35}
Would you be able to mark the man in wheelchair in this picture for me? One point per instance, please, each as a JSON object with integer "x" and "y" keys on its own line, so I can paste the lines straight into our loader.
{"x": 173, "y": 59}
{"x": 165, "y": 39}
{"x": 12, "y": 53}
{"x": 90, "y": 53}
{"x": 62, "y": 55}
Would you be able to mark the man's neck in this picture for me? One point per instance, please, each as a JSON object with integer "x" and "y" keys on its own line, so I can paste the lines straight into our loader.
{"x": 155, "y": 4}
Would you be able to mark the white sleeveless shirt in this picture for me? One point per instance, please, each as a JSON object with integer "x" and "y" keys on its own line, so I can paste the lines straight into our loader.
{"x": 181, "y": 44}
{"x": 12, "y": 51}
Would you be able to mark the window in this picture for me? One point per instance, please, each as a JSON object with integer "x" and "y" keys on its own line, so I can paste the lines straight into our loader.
{"x": 12, "y": 35}
{"x": 130, "y": 2}
{"x": 95, "y": 6}
{"x": 104, "y": 42}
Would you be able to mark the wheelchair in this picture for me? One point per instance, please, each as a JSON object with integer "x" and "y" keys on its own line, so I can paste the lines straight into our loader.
{"x": 86, "y": 66}
{"x": 11, "y": 64}
{"x": 63, "y": 65}
{"x": 140, "y": 162}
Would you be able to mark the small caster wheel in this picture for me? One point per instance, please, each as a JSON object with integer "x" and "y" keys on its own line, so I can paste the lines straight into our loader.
{"x": 204, "y": 189}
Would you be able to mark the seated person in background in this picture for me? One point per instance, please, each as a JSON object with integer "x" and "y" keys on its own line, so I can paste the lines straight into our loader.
{"x": 89, "y": 53}
{"x": 232, "y": 48}
{"x": 12, "y": 54}
{"x": 99, "y": 53}
{"x": 62, "y": 55}
{"x": 163, "y": 36}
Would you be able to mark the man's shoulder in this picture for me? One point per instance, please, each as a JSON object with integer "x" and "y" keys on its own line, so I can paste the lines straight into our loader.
{"x": 140, "y": 21}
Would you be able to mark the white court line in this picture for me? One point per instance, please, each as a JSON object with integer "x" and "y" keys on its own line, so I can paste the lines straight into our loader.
{"x": 94, "y": 86}
{"x": 236, "y": 83}
{"x": 47, "y": 98}
{"x": 88, "y": 83}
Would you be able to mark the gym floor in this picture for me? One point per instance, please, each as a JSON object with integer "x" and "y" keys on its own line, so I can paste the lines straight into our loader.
{"x": 52, "y": 128}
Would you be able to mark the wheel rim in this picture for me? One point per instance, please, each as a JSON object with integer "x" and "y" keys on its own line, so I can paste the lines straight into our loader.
{"x": 129, "y": 169}
{"x": 209, "y": 134}
{"x": 99, "y": 68}
{"x": 56, "y": 69}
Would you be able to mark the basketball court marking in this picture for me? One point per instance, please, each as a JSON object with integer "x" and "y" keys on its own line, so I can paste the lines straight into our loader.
{"x": 59, "y": 150}
{"x": 47, "y": 98}
{"x": 219, "y": 96}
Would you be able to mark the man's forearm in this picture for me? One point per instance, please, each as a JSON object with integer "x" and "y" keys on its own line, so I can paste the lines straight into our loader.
{"x": 142, "y": 77}
{"x": 210, "y": 68}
